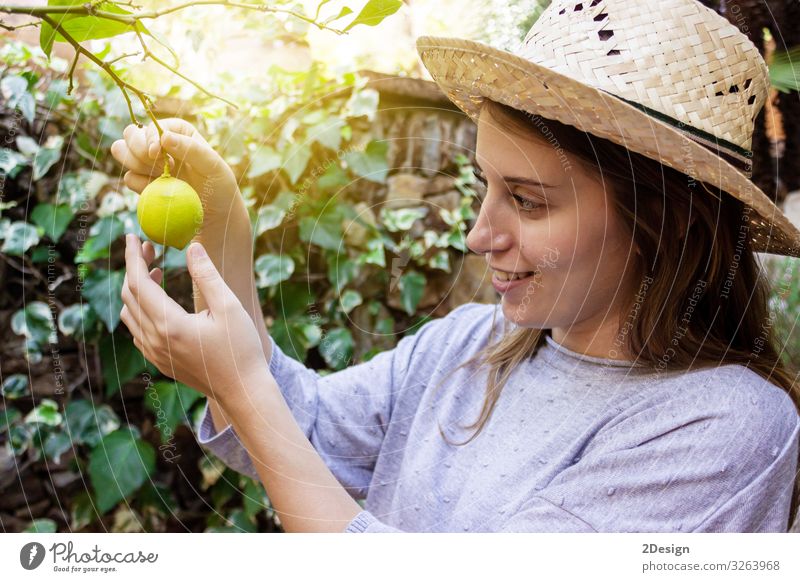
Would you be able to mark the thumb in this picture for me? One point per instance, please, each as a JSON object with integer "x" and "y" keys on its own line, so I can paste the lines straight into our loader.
{"x": 196, "y": 152}
{"x": 210, "y": 283}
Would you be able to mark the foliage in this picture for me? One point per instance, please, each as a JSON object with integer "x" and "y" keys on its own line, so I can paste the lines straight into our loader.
{"x": 321, "y": 258}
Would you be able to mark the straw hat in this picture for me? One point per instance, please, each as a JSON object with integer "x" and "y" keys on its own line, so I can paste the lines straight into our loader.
{"x": 671, "y": 80}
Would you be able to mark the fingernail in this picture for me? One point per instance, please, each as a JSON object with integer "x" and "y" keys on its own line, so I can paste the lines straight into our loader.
{"x": 128, "y": 239}
{"x": 197, "y": 251}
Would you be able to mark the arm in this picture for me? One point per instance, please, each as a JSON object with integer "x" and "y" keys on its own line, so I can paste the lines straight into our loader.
{"x": 230, "y": 246}
{"x": 301, "y": 488}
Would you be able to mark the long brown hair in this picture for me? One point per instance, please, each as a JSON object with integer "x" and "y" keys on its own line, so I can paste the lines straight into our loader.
{"x": 731, "y": 322}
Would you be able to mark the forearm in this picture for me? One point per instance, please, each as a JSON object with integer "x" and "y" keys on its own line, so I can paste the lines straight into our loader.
{"x": 300, "y": 486}
{"x": 230, "y": 246}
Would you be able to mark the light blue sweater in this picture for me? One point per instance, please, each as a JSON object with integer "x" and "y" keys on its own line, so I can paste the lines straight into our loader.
{"x": 575, "y": 443}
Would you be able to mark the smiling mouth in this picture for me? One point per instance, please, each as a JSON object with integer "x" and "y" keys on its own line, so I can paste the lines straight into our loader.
{"x": 503, "y": 276}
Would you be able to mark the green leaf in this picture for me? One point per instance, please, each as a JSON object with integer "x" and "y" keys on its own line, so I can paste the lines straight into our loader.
{"x": 45, "y": 413}
{"x": 272, "y": 269}
{"x": 327, "y": 133}
{"x": 15, "y": 386}
{"x": 121, "y": 361}
{"x": 87, "y": 423}
{"x": 402, "y": 219}
{"x": 56, "y": 444}
{"x": 324, "y": 231}
{"x": 103, "y": 290}
{"x": 76, "y": 320}
{"x": 296, "y": 158}
{"x": 376, "y": 253}
{"x": 333, "y": 179}
{"x": 412, "y": 286}
{"x": 344, "y": 12}
{"x": 43, "y": 525}
{"x": 56, "y": 92}
{"x": 7, "y": 417}
{"x": 341, "y": 270}
{"x": 53, "y": 219}
{"x": 350, "y": 299}
{"x": 11, "y": 162}
{"x": 118, "y": 466}
{"x": 20, "y": 236}
{"x": 370, "y": 164}
{"x": 104, "y": 232}
{"x": 268, "y": 217}
{"x": 441, "y": 260}
{"x": 79, "y": 188}
{"x": 170, "y": 402}
{"x": 82, "y": 511}
{"x": 264, "y": 160}
{"x": 47, "y": 156}
{"x": 15, "y": 90}
{"x": 293, "y": 336}
{"x": 35, "y": 322}
{"x": 374, "y": 12}
{"x": 336, "y": 348}
{"x": 363, "y": 102}
{"x": 20, "y": 438}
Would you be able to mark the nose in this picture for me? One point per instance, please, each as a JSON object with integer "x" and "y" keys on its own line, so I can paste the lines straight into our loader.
{"x": 491, "y": 232}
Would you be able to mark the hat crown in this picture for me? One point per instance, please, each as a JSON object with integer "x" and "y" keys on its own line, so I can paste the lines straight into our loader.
{"x": 675, "y": 57}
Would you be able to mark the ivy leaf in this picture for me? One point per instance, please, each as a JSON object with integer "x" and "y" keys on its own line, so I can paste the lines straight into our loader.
{"x": 336, "y": 348}
{"x": 35, "y": 322}
{"x": 121, "y": 361}
{"x": 118, "y": 466}
{"x": 350, "y": 299}
{"x": 296, "y": 159}
{"x": 263, "y": 161}
{"x": 374, "y": 12}
{"x": 47, "y": 156}
{"x": 76, "y": 319}
{"x": 7, "y": 417}
{"x": 19, "y": 237}
{"x": 15, "y": 386}
{"x": 53, "y": 219}
{"x": 170, "y": 402}
{"x": 11, "y": 162}
{"x": 104, "y": 232}
{"x": 56, "y": 444}
{"x": 324, "y": 231}
{"x": 272, "y": 269}
{"x": 15, "y": 90}
{"x": 103, "y": 290}
{"x": 87, "y": 423}
{"x": 370, "y": 164}
{"x": 268, "y": 217}
{"x": 412, "y": 286}
{"x": 327, "y": 133}
{"x": 45, "y": 413}
{"x": 43, "y": 525}
{"x": 402, "y": 219}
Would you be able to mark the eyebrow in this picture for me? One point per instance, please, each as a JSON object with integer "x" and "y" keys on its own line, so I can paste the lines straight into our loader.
{"x": 515, "y": 179}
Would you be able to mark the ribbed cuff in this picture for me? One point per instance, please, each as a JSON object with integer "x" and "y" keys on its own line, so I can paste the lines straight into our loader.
{"x": 360, "y": 522}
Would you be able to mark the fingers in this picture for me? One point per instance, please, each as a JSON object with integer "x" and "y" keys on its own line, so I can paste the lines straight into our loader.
{"x": 141, "y": 292}
{"x": 194, "y": 150}
{"x": 124, "y": 153}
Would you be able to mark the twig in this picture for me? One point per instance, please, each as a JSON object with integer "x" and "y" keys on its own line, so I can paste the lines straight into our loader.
{"x": 131, "y": 19}
{"x": 107, "y": 68}
{"x": 148, "y": 53}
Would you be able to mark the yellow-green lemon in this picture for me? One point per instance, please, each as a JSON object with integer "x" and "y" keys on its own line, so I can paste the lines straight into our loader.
{"x": 170, "y": 212}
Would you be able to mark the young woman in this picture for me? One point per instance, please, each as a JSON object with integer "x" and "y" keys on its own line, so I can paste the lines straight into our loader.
{"x": 629, "y": 379}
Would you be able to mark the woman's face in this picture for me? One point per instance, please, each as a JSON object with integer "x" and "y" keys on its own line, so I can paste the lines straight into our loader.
{"x": 544, "y": 212}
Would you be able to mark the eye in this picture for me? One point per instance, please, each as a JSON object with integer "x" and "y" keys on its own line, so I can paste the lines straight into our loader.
{"x": 525, "y": 204}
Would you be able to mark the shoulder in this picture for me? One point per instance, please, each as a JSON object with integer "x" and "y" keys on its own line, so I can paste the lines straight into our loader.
{"x": 732, "y": 405}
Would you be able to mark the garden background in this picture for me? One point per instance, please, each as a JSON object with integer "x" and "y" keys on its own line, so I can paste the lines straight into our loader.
{"x": 92, "y": 438}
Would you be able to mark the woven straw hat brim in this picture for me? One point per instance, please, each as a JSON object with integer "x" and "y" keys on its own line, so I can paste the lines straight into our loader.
{"x": 470, "y": 71}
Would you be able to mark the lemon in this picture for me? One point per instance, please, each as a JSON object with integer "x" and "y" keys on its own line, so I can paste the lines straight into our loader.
{"x": 169, "y": 212}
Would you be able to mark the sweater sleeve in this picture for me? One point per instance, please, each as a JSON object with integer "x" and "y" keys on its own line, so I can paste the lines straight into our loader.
{"x": 723, "y": 461}
{"x": 344, "y": 414}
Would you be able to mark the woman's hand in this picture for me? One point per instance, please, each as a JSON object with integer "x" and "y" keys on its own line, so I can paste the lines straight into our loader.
{"x": 214, "y": 351}
{"x": 191, "y": 159}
